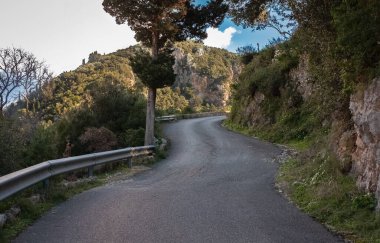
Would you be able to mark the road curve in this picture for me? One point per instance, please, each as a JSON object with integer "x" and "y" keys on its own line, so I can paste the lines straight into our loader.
{"x": 215, "y": 186}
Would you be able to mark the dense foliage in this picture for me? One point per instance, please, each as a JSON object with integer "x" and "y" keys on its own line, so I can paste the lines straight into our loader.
{"x": 158, "y": 21}
{"x": 150, "y": 70}
{"x": 101, "y": 95}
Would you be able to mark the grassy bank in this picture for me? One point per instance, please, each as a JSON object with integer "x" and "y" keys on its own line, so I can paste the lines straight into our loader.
{"x": 318, "y": 188}
{"x": 315, "y": 182}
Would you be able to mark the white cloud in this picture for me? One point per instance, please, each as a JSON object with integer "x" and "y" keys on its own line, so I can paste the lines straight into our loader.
{"x": 217, "y": 38}
{"x": 61, "y": 32}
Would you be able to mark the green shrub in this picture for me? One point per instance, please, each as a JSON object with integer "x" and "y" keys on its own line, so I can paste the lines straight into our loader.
{"x": 366, "y": 201}
{"x": 12, "y": 140}
{"x": 170, "y": 101}
{"x": 42, "y": 146}
{"x": 98, "y": 139}
{"x": 357, "y": 25}
{"x": 133, "y": 137}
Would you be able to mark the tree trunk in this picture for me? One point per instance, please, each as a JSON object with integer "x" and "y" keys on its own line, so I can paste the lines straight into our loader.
{"x": 27, "y": 104}
{"x": 151, "y": 104}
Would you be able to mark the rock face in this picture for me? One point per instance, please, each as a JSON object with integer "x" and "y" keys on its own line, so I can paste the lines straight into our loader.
{"x": 301, "y": 77}
{"x": 254, "y": 110}
{"x": 208, "y": 72}
{"x": 365, "y": 109}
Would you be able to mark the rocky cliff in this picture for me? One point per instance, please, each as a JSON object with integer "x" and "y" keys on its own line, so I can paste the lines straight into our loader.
{"x": 206, "y": 73}
{"x": 365, "y": 109}
{"x": 284, "y": 102}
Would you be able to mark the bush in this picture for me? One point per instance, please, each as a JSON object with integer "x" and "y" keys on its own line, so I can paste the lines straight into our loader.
{"x": 133, "y": 137}
{"x": 98, "y": 139}
{"x": 170, "y": 102}
{"x": 366, "y": 201}
{"x": 12, "y": 141}
{"x": 42, "y": 146}
{"x": 357, "y": 25}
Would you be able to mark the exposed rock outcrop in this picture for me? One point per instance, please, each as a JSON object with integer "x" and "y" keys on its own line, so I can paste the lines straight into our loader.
{"x": 254, "y": 110}
{"x": 208, "y": 72}
{"x": 300, "y": 75}
{"x": 365, "y": 109}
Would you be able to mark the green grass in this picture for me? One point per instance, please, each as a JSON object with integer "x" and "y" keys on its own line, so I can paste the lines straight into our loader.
{"x": 318, "y": 188}
{"x": 314, "y": 181}
{"x": 300, "y": 145}
{"x": 264, "y": 134}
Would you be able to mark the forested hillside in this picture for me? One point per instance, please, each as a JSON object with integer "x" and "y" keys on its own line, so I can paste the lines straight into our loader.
{"x": 101, "y": 105}
{"x": 319, "y": 92}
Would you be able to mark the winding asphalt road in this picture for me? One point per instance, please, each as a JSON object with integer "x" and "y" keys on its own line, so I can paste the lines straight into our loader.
{"x": 215, "y": 186}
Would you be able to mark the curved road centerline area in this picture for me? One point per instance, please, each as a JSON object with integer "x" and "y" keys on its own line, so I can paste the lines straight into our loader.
{"x": 215, "y": 186}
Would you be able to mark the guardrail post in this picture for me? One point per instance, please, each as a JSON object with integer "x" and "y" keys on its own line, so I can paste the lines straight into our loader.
{"x": 90, "y": 171}
{"x": 129, "y": 163}
{"x": 45, "y": 183}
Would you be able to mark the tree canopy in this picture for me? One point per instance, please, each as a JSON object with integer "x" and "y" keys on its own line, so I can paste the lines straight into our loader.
{"x": 20, "y": 74}
{"x": 152, "y": 70}
{"x": 157, "y": 21}
{"x": 261, "y": 14}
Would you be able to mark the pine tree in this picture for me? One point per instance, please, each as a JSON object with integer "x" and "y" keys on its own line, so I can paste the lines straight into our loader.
{"x": 156, "y": 22}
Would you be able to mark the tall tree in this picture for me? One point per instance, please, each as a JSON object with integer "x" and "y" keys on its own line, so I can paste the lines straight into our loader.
{"x": 20, "y": 72}
{"x": 261, "y": 14}
{"x": 156, "y": 22}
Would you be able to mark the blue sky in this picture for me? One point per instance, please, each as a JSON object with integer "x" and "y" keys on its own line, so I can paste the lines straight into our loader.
{"x": 245, "y": 36}
{"x": 63, "y": 32}
{"x": 249, "y": 36}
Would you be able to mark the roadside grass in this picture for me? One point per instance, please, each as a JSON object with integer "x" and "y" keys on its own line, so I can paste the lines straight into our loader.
{"x": 264, "y": 134}
{"x": 56, "y": 193}
{"x": 313, "y": 180}
{"x": 319, "y": 189}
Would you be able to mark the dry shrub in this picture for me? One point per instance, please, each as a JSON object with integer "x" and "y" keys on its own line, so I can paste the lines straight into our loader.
{"x": 98, "y": 139}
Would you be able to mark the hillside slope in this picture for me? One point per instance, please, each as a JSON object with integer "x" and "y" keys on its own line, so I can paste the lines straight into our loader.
{"x": 285, "y": 95}
{"x": 101, "y": 104}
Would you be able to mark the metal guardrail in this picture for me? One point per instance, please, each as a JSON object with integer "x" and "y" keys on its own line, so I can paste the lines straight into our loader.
{"x": 189, "y": 116}
{"x": 19, "y": 180}
{"x": 167, "y": 118}
{"x": 202, "y": 114}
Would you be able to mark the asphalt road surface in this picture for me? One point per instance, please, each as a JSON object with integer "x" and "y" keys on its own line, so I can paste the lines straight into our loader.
{"x": 215, "y": 186}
